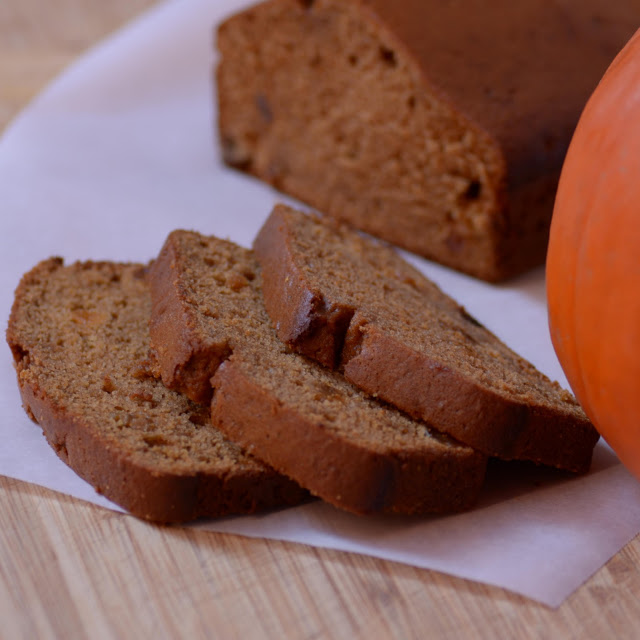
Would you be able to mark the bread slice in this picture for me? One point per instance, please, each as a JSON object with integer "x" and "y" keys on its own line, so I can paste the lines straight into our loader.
{"x": 80, "y": 339}
{"x": 212, "y": 337}
{"x": 438, "y": 126}
{"x": 352, "y": 303}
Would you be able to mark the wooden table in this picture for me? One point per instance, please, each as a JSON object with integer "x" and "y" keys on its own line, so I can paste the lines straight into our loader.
{"x": 69, "y": 569}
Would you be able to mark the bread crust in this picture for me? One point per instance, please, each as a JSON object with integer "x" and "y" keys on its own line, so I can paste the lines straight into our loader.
{"x": 424, "y": 478}
{"x": 428, "y": 390}
{"x": 179, "y": 362}
{"x": 143, "y": 490}
{"x": 381, "y": 364}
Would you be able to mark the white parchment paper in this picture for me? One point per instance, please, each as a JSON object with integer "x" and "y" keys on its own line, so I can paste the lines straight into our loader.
{"x": 119, "y": 151}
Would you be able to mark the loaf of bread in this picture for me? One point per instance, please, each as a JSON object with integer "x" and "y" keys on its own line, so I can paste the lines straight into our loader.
{"x": 80, "y": 339}
{"x": 354, "y": 304}
{"x": 438, "y": 126}
{"x": 213, "y": 340}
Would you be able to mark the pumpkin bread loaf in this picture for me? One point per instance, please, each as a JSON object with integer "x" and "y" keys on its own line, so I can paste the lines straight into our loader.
{"x": 213, "y": 340}
{"x": 79, "y": 336}
{"x": 354, "y": 304}
{"x": 438, "y": 126}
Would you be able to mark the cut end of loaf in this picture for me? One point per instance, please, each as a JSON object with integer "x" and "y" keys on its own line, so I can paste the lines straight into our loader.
{"x": 324, "y": 103}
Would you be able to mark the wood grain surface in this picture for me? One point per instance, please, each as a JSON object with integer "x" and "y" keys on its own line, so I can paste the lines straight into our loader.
{"x": 73, "y": 570}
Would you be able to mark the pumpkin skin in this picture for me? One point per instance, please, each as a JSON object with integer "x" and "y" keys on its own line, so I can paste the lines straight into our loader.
{"x": 593, "y": 260}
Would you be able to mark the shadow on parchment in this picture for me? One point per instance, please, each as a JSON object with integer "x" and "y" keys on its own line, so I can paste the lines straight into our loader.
{"x": 509, "y": 479}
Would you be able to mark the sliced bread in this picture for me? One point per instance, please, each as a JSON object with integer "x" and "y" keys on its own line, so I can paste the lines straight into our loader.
{"x": 79, "y": 337}
{"x": 212, "y": 338}
{"x": 354, "y": 304}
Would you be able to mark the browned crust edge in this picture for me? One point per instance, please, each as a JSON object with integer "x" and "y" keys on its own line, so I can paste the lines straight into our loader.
{"x": 427, "y": 390}
{"x": 384, "y": 367}
{"x": 180, "y": 363}
{"x": 304, "y": 319}
{"x": 145, "y": 493}
{"x": 341, "y": 473}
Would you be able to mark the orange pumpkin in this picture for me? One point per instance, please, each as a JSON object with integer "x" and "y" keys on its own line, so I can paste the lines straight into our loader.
{"x": 593, "y": 262}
